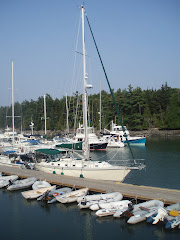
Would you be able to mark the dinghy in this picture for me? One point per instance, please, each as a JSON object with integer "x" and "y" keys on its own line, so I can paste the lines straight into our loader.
{"x": 169, "y": 215}
{"x": 21, "y": 184}
{"x": 6, "y": 177}
{"x": 58, "y": 192}
{"x": 94, "y": 200}
{"x": 162, "y": 213}
{"x": 8, "y": 181}
{"x": 40, "y": 184}
{"x": 32, "y": 194}
{"x": 109, "y": 209}
{"x": 122, "y": 212}
{"x": 72, "y": 196}
{"x": 173, "y": 223}
{"x": 142, "y": 210}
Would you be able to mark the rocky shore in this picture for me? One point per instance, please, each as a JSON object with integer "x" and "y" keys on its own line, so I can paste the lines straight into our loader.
{"x": 156, "y": 132}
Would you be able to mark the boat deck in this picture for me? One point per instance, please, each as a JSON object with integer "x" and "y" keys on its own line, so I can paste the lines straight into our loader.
{"x": 169, "y": 196}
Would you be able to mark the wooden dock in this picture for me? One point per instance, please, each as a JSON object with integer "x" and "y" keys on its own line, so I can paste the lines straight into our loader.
{"x": 169, "y": 196}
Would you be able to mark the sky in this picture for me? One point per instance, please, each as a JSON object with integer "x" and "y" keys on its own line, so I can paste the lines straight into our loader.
{"x": 139, "y": 42}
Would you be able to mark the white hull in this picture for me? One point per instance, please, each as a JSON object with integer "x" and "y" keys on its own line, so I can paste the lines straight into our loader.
{"x": 5, "y": 182}
{"x": 96, "y": 199}
{"x": 40, "y": 184}
{"x": 112, "y": 144}
{"x": 72, "y": 196}
{"x": 114, "y": 174}
{"x": 20, "y": 184}
{"x": 109, "y": 209}
{"x": 142, "y": 210}
{"x": 31, "y": 194}
{"x": 5, "y": 161}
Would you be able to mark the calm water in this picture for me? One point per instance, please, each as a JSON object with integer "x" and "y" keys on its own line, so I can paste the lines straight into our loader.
{"x": 28, "y": 219}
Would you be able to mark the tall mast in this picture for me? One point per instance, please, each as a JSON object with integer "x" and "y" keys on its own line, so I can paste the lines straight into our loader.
{"x": 100, "y": 109}
{"x": 67, "y": 119}
{"x": 13, "y": 102}
{"x": 45, "y": 115}
{"x": 86, "y": 150}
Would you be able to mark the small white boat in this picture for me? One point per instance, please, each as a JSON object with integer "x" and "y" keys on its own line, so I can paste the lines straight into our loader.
{"x": 21, "y": 184}
{"x": 92, "y": 201}
{"x": 163, "y": 213}
{"x": 6, "y": 177}
{"x": 58, "y": 192}
{"x": 142, "y": 210}
{"x": 32, "y": 194}
{"x": 174, "y": 222}
{"x": 40, "y": 184}
{"x": 8, "y": 181}
{"x": 109, "y": 209}
{"x": 72, "y": 196}
{"x": 169, "y": 215}
{"x": 122, "y": 212}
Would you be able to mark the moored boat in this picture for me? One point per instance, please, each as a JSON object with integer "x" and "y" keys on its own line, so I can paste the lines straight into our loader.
{"x": 95, "y": 199}
{"x": 32, "y": 194}
{"x": 163, "y": 213}
{"x": 40, "y": 184}
{"x": 118, "y": 133}
{"x": 86, "y": 167}
{"x": 72, "y": 196}
{"x": 58, "y": 192}
{"x": 21, "y": 184}
{"x": 8, "y": 180}
{"x": 109, "y": 209}
{"x": 142, "y": 210}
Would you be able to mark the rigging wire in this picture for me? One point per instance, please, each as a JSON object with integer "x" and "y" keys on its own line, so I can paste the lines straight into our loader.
{"x": 117, "y": 110}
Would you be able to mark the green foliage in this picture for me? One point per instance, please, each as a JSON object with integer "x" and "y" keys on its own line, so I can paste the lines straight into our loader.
{"x": 139, "y": 109}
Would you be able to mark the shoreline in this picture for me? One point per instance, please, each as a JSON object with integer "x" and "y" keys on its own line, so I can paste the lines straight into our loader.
{"x": 155, "y": 132}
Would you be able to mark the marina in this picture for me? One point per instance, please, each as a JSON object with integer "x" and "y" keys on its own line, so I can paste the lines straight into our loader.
{"x": 159, "y": 182}
{"x": 98, "y": 178}
{"x": 143, "y": 193}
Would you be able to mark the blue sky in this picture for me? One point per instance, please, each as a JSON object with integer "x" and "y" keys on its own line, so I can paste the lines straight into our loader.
{"x": 139, "y": 41}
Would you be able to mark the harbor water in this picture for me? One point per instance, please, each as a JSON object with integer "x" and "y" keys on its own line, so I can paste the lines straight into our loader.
{"x": 28, "y": 219}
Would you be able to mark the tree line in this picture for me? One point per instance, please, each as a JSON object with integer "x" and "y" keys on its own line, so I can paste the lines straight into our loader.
{"x": 139, "y": 109}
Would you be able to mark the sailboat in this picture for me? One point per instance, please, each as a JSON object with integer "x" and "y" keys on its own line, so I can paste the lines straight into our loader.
{"x": 85, "y": 167}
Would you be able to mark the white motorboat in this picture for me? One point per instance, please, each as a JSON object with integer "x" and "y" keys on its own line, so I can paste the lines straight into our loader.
{"x": 142, "y": 210}
{"x": 72, "y": 196}
{"x": 40, "y": 184}
{"x": 8, "y": 180}
{"x": 93, "y": 201}
{"x": 94, "y": 142}
{"x": 109, "y": 209}
{"x": 32, "y": 194}
{"x": 114, "y": 141}
{"x": 11, "y": 162}
{"x": 120, "y": 135}
{"x": 21, "y": 184}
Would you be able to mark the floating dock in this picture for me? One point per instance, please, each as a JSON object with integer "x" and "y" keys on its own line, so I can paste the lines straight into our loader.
{"x": 144, "y": 193}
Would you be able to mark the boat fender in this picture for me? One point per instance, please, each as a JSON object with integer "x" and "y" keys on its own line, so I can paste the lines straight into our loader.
{"x": 174, "y": 213}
